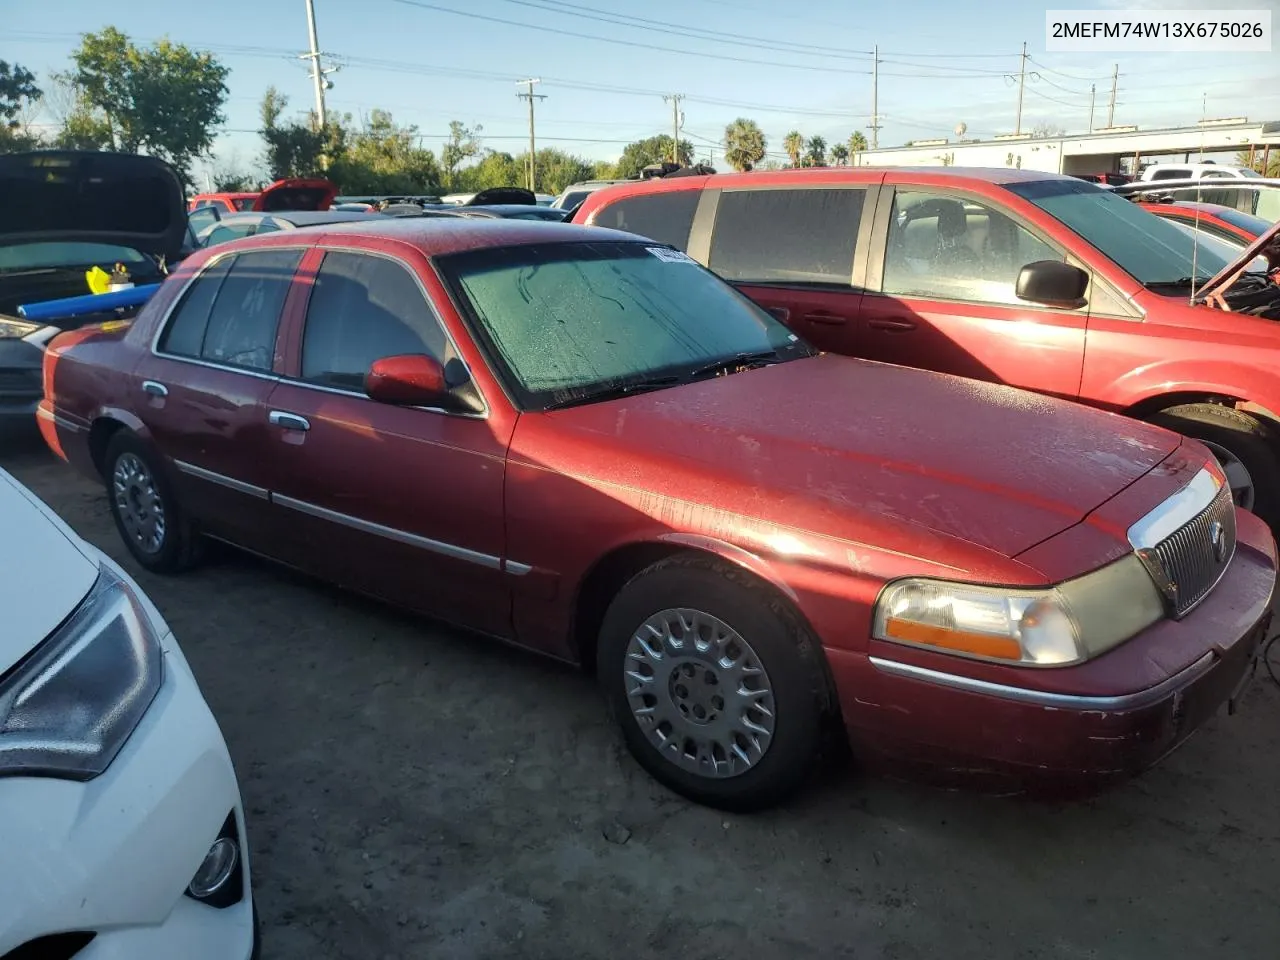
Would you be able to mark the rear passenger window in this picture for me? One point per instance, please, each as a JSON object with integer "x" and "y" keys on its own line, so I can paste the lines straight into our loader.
{"x": 186, "y": 327}
{"x": 665, "y": 217}
{"x": 245, "y": 316}
{"x": 364, "y": 308}
{"x": 787, "y": 236}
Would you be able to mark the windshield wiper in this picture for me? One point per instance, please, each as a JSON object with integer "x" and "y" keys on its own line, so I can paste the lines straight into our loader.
{"x": 1180, "y": 282}
{"x": 737, "y": 360}
{"x": 613, "y": 391}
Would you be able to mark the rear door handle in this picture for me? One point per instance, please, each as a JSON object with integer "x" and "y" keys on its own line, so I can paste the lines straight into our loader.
{"x": 290, "y": 421}
{"x": 155, "y": 389}
{"x": 831, "y": 319}
{"x": 891, "y": 324}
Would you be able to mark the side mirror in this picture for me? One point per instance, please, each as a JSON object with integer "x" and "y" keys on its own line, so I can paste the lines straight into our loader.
{"x": 1053, "y": 283}
{"x": 417, "y": 380}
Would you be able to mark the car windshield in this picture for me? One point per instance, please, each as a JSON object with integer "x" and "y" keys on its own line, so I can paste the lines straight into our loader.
{"x": 44, "y": 256}
{"x": 1218, "y": 247}
{"x": 566, "y": 321}
{"x": 1151, "y": 250}
{"x": 1245, "y": 221}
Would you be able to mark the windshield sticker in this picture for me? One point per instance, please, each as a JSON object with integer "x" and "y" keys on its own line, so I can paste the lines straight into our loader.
{"x": 670, "y": 256}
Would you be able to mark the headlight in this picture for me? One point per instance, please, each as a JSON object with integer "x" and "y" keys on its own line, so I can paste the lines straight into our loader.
{"x": 16, "y": 329}
{"x": 69, "y": 708}
{"x": 1047, "y": 627}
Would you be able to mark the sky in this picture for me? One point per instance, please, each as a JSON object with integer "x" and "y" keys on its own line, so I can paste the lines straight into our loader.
{"x": 605, "y": 66}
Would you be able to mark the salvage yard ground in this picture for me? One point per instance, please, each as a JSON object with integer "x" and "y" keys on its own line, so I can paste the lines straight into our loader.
{"x": 414, "y": 792}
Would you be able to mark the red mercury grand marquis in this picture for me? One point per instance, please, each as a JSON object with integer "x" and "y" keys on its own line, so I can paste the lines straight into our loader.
{"x": 583, "y": 442}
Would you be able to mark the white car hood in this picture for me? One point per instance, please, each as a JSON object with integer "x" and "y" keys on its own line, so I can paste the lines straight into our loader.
{"x": 43, "y": 572}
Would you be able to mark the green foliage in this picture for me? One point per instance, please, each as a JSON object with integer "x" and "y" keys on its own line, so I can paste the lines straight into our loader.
{"x": 857, "y": 142}
{"x": 17, "y": 90}
{"x": 816, "y": 152}
{"x": 553, "y": 171}
{"x": 640, "y": 154}
{"x": 744, "y": 144}
{"x": 463, "y": 144}
{"x": 604, "y": 170}
{"x": 793, "y": 143}
{"x": 165, "y": 99}
{"x": 839, "y": 154}
{"x": 384, "y": 158}
{"x": 297, "y": 149}
{"x": 1273, "y": 162}
{"x": 233, "y": 181}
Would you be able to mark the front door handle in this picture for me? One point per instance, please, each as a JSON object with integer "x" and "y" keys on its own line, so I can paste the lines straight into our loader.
{"x": 778, "y": 313}
{"x": 154, "y": 389}
{"x": 830, "y": 319}
{"x": 290, "y": 421}
{"x": 891, "y": 324}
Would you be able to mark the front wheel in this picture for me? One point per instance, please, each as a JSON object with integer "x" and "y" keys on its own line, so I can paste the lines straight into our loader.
{"x": 1245, "y": 449}
{"x": 714, "y": 683}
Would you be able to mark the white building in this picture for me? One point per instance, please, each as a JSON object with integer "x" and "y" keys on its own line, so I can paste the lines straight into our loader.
{"x": 1108, "y": 150}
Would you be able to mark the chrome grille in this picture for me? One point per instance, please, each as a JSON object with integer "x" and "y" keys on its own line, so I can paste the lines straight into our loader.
{"x": 1194, "y": 557}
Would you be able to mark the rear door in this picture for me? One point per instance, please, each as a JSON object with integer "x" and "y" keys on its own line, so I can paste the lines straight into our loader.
{"x": 204, "y": 387}
{"x": 941, "y": 294}
{"x": 793, "y": 250}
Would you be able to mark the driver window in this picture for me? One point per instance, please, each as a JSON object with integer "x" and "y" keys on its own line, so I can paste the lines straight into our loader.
{"x": 953, "y": 248}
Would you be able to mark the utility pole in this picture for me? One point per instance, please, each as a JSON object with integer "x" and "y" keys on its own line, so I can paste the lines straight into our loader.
{"x": 1022, "y": 83}
{"x": 1093, "y": 89}
{"x": 317, "y": 73}
{"x": 875, "y": 98}
{"x": 531, "y": 96}
{"x": 1111, "y": 108}
{"x": 675, "y": 99}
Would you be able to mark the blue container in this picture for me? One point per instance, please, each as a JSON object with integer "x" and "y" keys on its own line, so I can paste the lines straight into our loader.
{"x": 88, "y": 303}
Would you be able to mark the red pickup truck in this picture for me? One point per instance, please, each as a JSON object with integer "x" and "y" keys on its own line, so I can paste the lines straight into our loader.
{"x": 1036, "y": 280}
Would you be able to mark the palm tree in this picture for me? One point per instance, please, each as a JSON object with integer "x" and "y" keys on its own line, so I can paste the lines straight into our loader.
{"x": 744, "y": 144}
{"x": 793, "y": 143}
{"x": 817, "y": 152}
{"x": 857, "y": 143}
{"x": 839, "y": 154}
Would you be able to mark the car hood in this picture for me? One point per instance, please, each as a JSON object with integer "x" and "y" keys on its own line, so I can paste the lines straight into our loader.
{"x": 43, "y": 573}
{"x": 1231, "y": 271}
{"x": 296, "y": 194}
{"x": 74, "y": 196}
{"x": 1001, "y": 468}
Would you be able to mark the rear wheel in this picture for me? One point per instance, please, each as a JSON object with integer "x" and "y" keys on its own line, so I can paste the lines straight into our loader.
{"x": 147, "y": 514}
{"x": 714, "y": 683}
{"x": 1244, "y": 446}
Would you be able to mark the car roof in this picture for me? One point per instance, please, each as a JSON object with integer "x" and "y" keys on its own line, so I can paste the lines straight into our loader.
{"x": 440, "y": 236}
{"x": 301, "y": 218}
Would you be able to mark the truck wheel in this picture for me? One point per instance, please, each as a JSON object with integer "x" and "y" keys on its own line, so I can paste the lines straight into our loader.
{"x": 714, "y": 682}
{"x": 1245, "y": 447}
{"x": 147, "y": 514}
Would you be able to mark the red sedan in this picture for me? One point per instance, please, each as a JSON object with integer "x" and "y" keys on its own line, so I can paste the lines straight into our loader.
{"x": 582, "y": 442}
{"x": 1225, "y": 223}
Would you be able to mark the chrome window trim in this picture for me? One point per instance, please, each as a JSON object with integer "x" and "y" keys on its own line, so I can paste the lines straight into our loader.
{"x": 1176, "y": 511}
{"x": 1041, "y": 698}
{"x": 435, "y": 315}
{"x": 222, "y": 480}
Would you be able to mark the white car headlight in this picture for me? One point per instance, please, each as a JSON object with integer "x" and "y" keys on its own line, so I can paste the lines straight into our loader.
{"x": 68, "y": 709}
{"x": 1047, "y": 627}
{"x": 16, "y": 329}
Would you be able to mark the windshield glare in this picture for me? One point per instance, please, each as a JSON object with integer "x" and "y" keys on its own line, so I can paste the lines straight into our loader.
{"x": 1151, "y": 250}
{"x": 568, "y": 319}
{"x": 1218, "y": 247}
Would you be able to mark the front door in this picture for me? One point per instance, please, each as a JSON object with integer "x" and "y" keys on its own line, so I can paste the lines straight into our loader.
{"x": 946, "y": 302}
{"x": 791, "y": 250}
{"x": 404, "y": 503}
{"x": 205, "y": 387}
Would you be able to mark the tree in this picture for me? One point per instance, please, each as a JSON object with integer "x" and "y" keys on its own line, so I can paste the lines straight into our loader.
{"x": 744, "y": 144}
{"x": 1255, "y": 163}
{"x": 165, "y": 99}
{"x": 18, "y": 93}
{"x": 857, "y": 144}
{"x": 839, "y": 154}
{"x": 816, "y": 152}
{"x": 298, "y": 149}
{"x": 384, "y": 158}
{"x": 1045, "y": 130}
{"x": 603, "y": 170}
{"x": 463, "y": 144}
{"x": 80, "y": 127}
{"x": 640, "y": 154}
{"x": 554, "y": 169}
{"x": 793, "y": 143}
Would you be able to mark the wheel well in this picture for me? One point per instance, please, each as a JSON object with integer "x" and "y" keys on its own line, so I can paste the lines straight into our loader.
{"x": 612, "y": 572}
{"x": 100, "y": 434}
{"x": 1145, "y": 408}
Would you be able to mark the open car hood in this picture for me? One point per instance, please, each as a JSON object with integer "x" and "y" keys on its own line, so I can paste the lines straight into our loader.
{"x": 1232, "y": 271}
{"x": 297, "y": 194}
{"x": 87, "y": 197}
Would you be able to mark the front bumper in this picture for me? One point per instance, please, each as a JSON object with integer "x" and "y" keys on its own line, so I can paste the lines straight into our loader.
{"x": 936, "y": 717}
{"x": 21, "y": 380}
{"x": 113, "y": 856}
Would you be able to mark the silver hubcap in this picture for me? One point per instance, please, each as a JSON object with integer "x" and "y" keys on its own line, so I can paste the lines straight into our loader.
{"x": 138, "y": 503}
{"x": 1238, "y": 477}
{"x": 699, "y": 692}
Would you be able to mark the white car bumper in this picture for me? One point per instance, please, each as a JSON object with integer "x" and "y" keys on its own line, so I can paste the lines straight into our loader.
{"x": 113, "y": 856}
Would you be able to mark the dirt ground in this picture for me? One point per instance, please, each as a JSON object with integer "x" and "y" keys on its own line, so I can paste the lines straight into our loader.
{"x": 414, "y": 792}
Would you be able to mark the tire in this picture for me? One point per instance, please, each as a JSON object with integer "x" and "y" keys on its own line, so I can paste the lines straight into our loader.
{"x": 1231, "y": 434}
{"x": 698, "y": 726}
{"x": 136, "y": 484}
